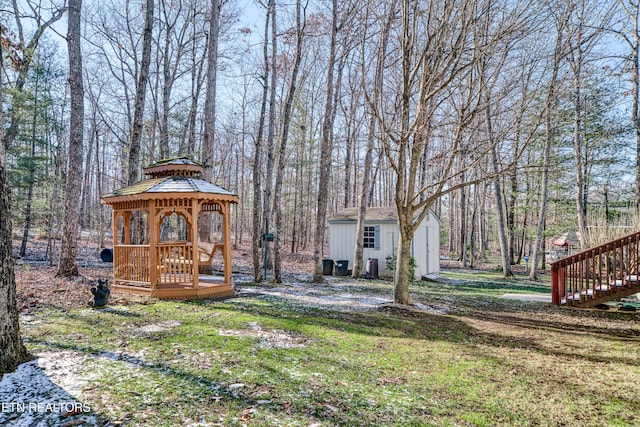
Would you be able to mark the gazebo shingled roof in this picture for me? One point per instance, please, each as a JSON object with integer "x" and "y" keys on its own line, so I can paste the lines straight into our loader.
{"x": 170, "y": 270}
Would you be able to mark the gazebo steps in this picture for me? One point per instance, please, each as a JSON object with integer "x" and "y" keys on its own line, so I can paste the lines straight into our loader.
{"x": 208, "y": 287}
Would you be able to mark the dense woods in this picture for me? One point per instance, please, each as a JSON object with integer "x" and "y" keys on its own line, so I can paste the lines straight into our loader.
{"x": 513, "y": 121}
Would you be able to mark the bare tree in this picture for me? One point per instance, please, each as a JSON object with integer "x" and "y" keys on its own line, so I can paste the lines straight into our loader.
{"x": 13, "y": 351}
{"x": 589, "y": 17}
{"x": 141, "y": 90}
{"x": 435, "y": 81}
{"x": 365, "y": 195}
{"x": 286, "y": 122}
{"x": 257, "y": 156}
{"x": 559, "y": 51}
{"x": 326, "y": 149}
{"x": 271, "y": 135}
{"x": 210, "y": 96}
{"x": 628, "y": 30}
{"x": 69, "y": 246}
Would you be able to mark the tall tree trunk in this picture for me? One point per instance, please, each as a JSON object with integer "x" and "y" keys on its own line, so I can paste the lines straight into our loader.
{"x": 137, "y": 224}
{"x": 69, "y": 245}
{"x": 635, "y": 107}
{"x": 288, "y": 104}
{"x": 13, "y": 351}
{"x": 497, "y": 187}
{"x": 326, "y": 150}
{"x": 511, "y": 215}
{"x": 401, "y": 292}
{"x": 141, "y": 90}
{"x": 546, "y": 157}
{"x": 210, "y": 97}
{"x": 463, "y": 224}
{"x": 502, "y": 235}
{"x": 257, "y": 159}
{"x": 581, "y": 208}
{"x": 210, "y": 108}
{"x": 271, "y": 132}
{"x": 32, "y": 174}
{"x": 365, "y": 195}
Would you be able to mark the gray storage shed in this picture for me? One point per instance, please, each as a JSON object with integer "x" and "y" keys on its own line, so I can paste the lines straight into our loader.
{"x": 381, "y": 238}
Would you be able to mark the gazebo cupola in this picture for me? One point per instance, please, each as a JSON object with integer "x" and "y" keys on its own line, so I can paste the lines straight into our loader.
{"x": 170, "y": 267}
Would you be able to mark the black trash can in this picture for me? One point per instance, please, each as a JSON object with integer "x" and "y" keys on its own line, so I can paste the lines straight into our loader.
{"x": 106, "y": 255}
{"x": 342, "y": 267}
{"x": 372, "y": 269}
{"x": 327, "y": 267}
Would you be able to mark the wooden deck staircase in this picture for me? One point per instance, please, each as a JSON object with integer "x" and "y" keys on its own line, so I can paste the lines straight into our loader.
{"x": 597, "y": 275}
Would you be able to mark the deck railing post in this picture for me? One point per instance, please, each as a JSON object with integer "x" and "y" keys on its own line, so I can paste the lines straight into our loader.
{"x": 554, "y": 285}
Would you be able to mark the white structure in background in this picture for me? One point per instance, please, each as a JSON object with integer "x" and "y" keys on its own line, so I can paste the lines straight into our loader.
{"x": 381, "y": 239}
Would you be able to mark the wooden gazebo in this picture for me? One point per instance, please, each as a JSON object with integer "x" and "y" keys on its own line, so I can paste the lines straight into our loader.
{"x": 170, "y": 268}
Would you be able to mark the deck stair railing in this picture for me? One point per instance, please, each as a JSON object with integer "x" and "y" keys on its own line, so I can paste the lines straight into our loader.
{"x": 597, "y": 275}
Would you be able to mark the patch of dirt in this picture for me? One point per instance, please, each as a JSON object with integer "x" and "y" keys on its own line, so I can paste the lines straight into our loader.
{"x": 274, "y": 338}
{"x": 154, "y": 328}
{"x": 37, "y": 284}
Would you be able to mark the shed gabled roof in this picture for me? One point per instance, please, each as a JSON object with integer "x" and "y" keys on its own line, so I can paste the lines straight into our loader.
{"x": 380, "y": 214}
{"x": 388, "y": 213}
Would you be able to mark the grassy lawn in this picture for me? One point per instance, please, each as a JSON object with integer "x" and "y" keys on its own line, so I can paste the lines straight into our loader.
{"x": 464, "y": 358}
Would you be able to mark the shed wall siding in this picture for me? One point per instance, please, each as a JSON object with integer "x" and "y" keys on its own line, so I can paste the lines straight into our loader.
{"x": 342, "y": 240}
{"x": 425, "y": 246}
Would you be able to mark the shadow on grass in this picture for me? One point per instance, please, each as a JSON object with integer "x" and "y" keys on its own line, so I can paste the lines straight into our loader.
{"x": 158, "y": 367}
{"x": 391, "y": 321}
{"x": 41, "y": 403}
{"x": 395, "y": 321}
{"x": 483, "y": 284}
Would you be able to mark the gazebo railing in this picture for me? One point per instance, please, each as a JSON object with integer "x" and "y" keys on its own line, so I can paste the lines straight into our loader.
{"x": 131, "y": 263}
{"x": 175, "y": 262}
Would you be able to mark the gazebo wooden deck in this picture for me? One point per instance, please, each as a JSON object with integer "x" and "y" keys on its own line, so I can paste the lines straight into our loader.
{"x": 162, "y": 268}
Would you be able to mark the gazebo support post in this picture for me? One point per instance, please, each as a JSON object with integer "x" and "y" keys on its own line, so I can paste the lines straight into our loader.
{"x": 226, "y": 219}
{"x": 195, "y": 254}
{"x": 154, "y": 231}
{"x": 126, "y": 232}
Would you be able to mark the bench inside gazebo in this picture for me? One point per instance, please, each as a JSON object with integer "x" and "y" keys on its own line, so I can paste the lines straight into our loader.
{"x": 157, "y": 228}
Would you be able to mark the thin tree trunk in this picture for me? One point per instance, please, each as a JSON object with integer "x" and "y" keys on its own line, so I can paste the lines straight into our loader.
{"x": 209, "y": 118}
{"x": 577, "y": 151}
{"x": 365, "y": 195}
{"x": 271, "y": 134}
{"x": 210, "y": 97}
{"x": 257, "y": 160}
{"x": 32, "y": 175}
{"x": 141, "y": 90}
{"x": 288, "y": 104}
{"x": 502, "y": 235}
{"x": 401, "y": 293}
{"x": 548, "y": 137}
{"x": 69, "y": 245}
{"x": 511, "y": 216}
{"x": 463, "y": 224}
{"x": 13, "y": 351}
{"x": 326, "y": 149}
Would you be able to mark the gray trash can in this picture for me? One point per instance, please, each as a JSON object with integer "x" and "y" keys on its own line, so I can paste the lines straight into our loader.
{"x": 372, "y": 269}
{"x": 342, "y": 268}
{"x": 327, "y": 267}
